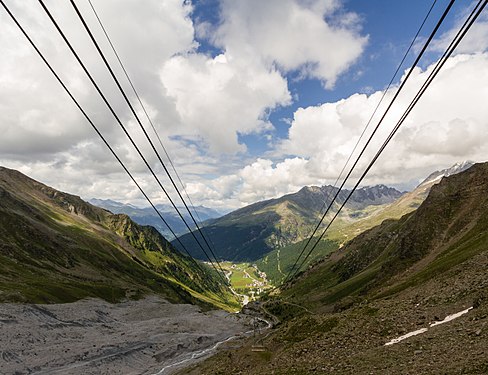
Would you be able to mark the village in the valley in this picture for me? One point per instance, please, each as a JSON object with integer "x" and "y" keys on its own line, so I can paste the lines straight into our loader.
{"x": 247, "y": 281}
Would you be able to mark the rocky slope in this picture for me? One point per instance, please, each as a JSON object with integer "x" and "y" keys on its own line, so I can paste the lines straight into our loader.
{"x": 54, "y": 247}
{"x": 343, "y": 231}
{"x": 436, "y": 176}
{"x": 397, "y": 278}
{"x": 450, "y": 226}
{"x": 279, "y": 261}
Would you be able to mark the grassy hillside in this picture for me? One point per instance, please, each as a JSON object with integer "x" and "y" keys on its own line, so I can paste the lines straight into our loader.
{"x": 344, "y": 229}
{"x": 449, "y": 227}
{"x": 352, "y": 223}
{"x": 279, "y": 262}
{"x": 54, "y": 247}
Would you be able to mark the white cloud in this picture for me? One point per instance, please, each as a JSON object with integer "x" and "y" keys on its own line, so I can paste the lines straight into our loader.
{"x": 36, "y": 113}
{"x": 257, "y": 181}
{"x": 263, "y": 180}
{"x": 221, "y": 97}
{"x": 476, "y": 40}
{"x": 330, "y": 126}
{"x": 448, "y": 124}
{"x": 43, "y": 133}
{"x": 217, "y": 98}
{"x": 315, "y": 38}
{"x": 201, "y": 101}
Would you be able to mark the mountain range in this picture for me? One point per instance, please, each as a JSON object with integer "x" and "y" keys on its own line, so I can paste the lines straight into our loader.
{"x": 54, "y": 247}
{"x": 249, "y": 233}
{"x": 344, "y": 230}
{"x": 397, "y": 264}
{"x": 147, "y": 215}
{"x": 272, "y": 233}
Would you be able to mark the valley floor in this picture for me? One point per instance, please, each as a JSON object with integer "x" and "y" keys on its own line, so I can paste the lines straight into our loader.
{"x": 94, "y": 337}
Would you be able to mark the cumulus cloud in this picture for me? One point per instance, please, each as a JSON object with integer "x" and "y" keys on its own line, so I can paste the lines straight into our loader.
{"x": 257, "y": 181}
{"x": 448, "y": 124}
{"x": 202, "y": 103}
{"x": 315, "y": 38}
{"x": 219, "y": 98}
{"x": 36, "y": 112}
{"x": 476, "y": 40}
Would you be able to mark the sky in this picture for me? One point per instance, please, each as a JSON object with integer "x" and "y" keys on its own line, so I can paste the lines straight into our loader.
{"x": 252, "y": 99}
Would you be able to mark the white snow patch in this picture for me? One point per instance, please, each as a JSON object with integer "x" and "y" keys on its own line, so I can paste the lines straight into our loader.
{"x": 450, "y": 317}
{"x": 433, "y": 180}
{"x": 410, "y": 334}
{"x": 423, "y": 330}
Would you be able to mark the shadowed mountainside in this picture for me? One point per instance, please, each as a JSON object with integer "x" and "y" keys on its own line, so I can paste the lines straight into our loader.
{"x": 278, "y": 262}
{"x": 449, "y": 227}
{"x": 249, "y": 233}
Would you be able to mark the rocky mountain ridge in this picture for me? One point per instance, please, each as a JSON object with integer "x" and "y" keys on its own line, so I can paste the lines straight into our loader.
{"x": 459, "y": 167}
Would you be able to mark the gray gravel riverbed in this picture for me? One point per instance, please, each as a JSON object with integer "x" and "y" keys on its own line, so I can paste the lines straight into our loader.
{"x": 95, "y": 337}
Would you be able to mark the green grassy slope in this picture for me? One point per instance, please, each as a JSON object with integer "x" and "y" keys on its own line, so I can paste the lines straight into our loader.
{"x": 54, "y": 247}
{"x": 347, "y": 226}
{"x": 279, "y": 262}
{"x": 448, "y": 228}
{"x": 343, "y": 231}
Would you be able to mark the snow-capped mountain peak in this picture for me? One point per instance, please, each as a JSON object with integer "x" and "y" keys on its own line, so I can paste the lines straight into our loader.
{"x": 459, "y": 167}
